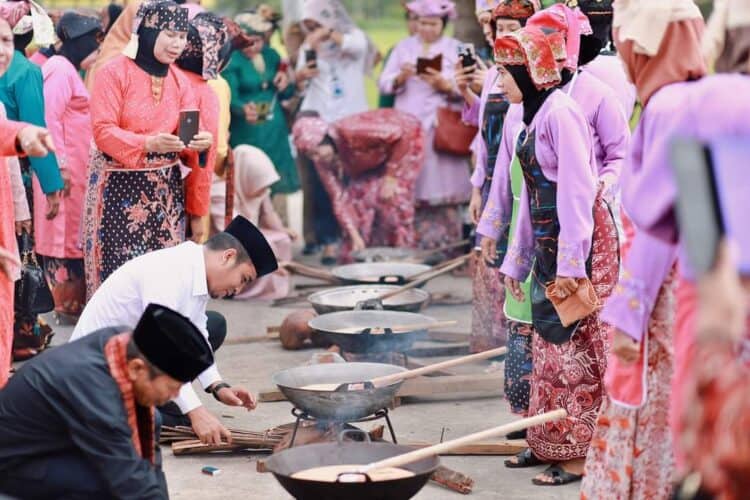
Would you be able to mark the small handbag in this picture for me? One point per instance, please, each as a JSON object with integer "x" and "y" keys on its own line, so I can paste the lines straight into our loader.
{"x": 32, "y": 293}
{"x": 577, "y": 306}
{"x": 452, "y": 135}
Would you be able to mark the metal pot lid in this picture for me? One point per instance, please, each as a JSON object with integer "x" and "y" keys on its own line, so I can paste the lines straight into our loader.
{"x": 350, "y": 296}
{"x": 372, "y": 272}
{"x": 367, "y": 319}
{"x": 383, "y": 254}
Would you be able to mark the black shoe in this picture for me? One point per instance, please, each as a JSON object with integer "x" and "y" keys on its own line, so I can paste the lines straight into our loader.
{"x": 311, "y": 249}
{"x": 517, "y": 434}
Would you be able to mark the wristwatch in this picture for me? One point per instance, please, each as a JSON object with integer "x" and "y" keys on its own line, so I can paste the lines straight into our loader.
{"x": 215, "y": 388}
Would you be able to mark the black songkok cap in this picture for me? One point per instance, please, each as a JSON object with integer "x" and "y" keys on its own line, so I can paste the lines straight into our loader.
{"x": 172, "y": 343}
{"x": 255, "y": 244}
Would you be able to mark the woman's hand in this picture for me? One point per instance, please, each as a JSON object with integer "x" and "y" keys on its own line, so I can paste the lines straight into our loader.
{"x": 514, "y": 287}
{"x": 477, "y": 81}
{"x": 407, "y": 71}
{"x": 358, "y": 243}
{"x": 475, "y": 206}
{"x": 463, "y": 76}
{"x": 309, "y": 72}
{"x": 291, "y": 233}
{"x": 164, "y": 143}
{"x": 53, "y": 204}
{"x": 23, "y": 225}
{"x": 197, "y": 228}
{"x": 389, "y": 188}
{"x": 315, "y": 37}
{"x": 281, "y": 81}
{"x": 251, "y": 113}
{"x": 66, "y": 182}
{"x": 35, "y": 141}
{"x": 565, "y": 287}
{"x": 201, "y": 141}
{"x": 625, "y": 347}
{"x": 435, "y": 80}
{"x": 489, "y": 250}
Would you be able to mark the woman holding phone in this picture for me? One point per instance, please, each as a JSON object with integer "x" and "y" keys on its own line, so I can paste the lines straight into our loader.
{"x": 443, "y": 183}
{"x": 136, "y": 201}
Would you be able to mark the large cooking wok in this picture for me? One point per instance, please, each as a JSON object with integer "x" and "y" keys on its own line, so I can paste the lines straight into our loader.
{"x": 341, "y": 406}
{"x": 350, "y": 330}
{"x": 384, "y": 254}
{"x": 392, "y": 273}
{"x": 346, "y": 298}
{"x": 294, "y": 460}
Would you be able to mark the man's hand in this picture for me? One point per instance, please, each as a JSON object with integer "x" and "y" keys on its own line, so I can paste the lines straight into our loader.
{"x": 23, "y": 225}
{"x": 625, "y": 347}
{"x": 207, "y": 427}
{"x": 8, "y": 261}
{"x": 53, "y": 204}
{"x": 237, "y": 396}
{"x": 201, "y": 141}
{"x": 35, "y": 141}
{"x": 281, "y": 81}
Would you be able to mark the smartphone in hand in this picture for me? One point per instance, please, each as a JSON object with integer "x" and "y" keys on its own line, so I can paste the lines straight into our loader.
{"x": 311, "y": 56}
{"x": 467, "y": 55}
{"x": 188, "y": 128}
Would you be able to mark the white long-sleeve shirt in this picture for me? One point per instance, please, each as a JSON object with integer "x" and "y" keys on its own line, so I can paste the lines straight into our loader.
{"x": 173, "y": 277}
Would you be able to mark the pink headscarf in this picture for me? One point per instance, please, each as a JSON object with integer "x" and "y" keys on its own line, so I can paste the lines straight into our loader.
{"x": 572, "y": 23}
{"x": 13, "y": 12}
{"x": 308, "y": 132}
{"x": 433, "y": 8}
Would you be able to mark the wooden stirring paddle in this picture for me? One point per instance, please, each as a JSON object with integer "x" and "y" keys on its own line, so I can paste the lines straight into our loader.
{"x": 361, "y": 473}
{"x": 397, "y": 377}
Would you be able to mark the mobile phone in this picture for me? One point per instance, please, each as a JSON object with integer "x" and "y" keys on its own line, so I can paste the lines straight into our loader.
{"x": 188, "y": 128}
{"x": 467, "y": 55}
{"x": 311, "y": 56}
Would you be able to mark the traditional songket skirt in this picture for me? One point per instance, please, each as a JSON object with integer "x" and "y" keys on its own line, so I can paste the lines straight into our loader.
{"x": 129, "y": 212}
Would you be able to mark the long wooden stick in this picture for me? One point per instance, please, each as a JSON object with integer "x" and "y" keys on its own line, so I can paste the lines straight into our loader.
{"x": 501, "y": 430}
{"x": 395, "y": 377}
{"x": 425, "y": 277}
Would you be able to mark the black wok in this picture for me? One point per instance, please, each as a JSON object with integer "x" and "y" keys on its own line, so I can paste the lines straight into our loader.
{"x": 300, "y": 458}
{"x": 328, "y": 326}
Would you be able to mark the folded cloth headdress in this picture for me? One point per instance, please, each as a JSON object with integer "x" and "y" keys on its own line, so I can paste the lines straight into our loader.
{"x": 27, "y": 15}
{"x": 308, "y": 132}
{"x": 207, "y": 35}
{"x": 156, "y": 15}
{"x": 571, "y": 23}
{"x": 529, "y": 47}
{"x": 433, "y": 8}
{"x": 515, "y": 9}
{"x": 645, "y": 21}
{"x": 253, "y": 23}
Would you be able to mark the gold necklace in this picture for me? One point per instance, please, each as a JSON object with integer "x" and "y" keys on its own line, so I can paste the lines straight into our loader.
{"x": 157, "y": 84}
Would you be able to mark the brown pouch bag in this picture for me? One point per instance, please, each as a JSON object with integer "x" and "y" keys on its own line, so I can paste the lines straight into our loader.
{"x": 577, "y": 306}
{"x": 452, "y": 135}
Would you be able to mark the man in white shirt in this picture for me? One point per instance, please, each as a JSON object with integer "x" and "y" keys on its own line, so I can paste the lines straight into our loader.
{"x": 184, "y": 278}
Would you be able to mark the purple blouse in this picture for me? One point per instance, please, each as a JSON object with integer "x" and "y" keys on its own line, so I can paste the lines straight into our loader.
{"x": 611, "y": 71}
{"x": 565, "y": 154}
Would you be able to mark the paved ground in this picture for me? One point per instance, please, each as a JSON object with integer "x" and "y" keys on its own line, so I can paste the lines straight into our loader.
{"x": 252, "y": 365}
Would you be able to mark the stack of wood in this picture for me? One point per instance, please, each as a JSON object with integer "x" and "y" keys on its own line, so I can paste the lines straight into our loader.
{"x": 185, "y": 442}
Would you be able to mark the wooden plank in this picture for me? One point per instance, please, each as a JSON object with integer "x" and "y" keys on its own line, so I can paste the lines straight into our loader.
{"x": 251, "y": 339}
{"x": 453, "y": 480}
{"x": 505, "y": 447}
{"x": 443, "y": 350}
{"x": 429, "y": 386}
{"x": 438, "y": 336}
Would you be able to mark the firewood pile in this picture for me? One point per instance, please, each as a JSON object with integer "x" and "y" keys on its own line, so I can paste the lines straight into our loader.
{"x": 185, "y": 442}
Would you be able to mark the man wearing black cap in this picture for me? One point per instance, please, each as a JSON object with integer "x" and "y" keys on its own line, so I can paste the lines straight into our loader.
{"x": 78, "y": 421}
{"x": 185, "y": 277}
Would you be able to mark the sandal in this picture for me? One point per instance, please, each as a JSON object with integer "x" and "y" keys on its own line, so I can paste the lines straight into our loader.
{"x": 517, "y": 434}
{"x": 558, "y": 476}
{"x": 524, "y": 459}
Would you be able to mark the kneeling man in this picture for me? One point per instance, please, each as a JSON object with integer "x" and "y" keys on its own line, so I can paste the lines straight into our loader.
{"x": 78, "y": 420}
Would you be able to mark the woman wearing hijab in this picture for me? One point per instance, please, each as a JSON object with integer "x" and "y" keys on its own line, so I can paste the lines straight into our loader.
{"x": 668, "y": 71}
{"x": 368, "y": 163}
{"x": 254, "y": 175}
{"x": 136, "y": 201}
{"x": 67, "y": 113}
{"x": 205, "y": 54}
{"x": 258, "y": 84}
{"x": 443, "y": 184}
{"x": 565, "y": 235}
{"x": 109, "y": 15}
{"x": 488, "y": 327}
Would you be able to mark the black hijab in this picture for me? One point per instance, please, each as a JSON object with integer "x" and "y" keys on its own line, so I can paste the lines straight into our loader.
{"x": 80, "y": 36}
{"x": 533, "y": 98}
{"x": 113, "y": 12}
{"x": 145, "y": 58}
{"x": 152, "y": 19}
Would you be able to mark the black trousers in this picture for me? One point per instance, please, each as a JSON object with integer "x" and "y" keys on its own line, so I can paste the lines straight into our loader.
{"x": 217, "y": 331}
{"x": 68, "y": 475}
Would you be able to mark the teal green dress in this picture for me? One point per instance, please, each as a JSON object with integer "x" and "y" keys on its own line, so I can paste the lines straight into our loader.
{"x": 22, "y": 94}
{"x": 272, "y": 134}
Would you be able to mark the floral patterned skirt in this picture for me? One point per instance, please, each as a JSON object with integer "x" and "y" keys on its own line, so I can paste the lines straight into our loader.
{"x": 437, "y": 225}
{"x": 631, "y": 454}
{"x": 488, "y": 327}
{"x": 66, "y": 281}
{"x": 129, "y": 213}
{"x": 571, "y": 375}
